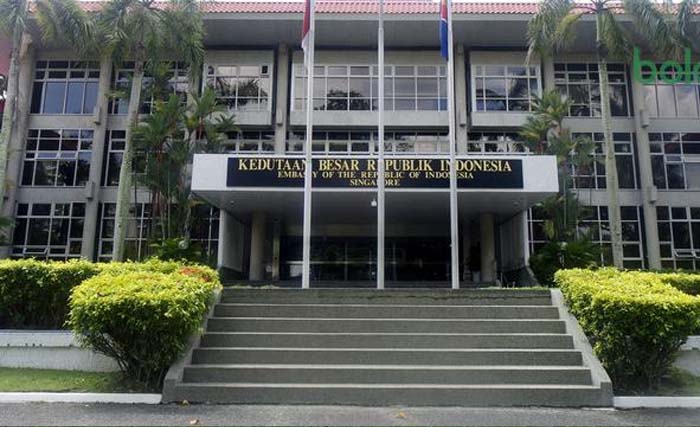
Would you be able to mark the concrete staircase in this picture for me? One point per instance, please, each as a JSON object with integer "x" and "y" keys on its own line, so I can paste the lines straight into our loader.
{"x": 390, "y": 347}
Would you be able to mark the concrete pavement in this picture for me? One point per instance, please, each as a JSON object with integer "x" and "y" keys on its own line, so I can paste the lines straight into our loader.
{"x": 41, "y": 414}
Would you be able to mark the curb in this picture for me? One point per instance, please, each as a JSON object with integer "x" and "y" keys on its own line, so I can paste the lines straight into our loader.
{"x": 128, "y": 398}
{"x": 631, "y": 402}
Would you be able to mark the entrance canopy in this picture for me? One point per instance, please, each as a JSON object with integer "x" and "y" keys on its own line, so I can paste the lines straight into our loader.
{"x": 344, "y": 187}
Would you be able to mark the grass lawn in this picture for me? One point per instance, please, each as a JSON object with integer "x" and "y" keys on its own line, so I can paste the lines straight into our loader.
{"x": 20, "y": 379}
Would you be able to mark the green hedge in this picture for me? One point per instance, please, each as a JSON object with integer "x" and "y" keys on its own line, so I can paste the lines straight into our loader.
{"x": 34, "y": 294}
{"x": 141, "y": 319}
{"x": 686, "y": 282}
{"x": 635, "y": 320}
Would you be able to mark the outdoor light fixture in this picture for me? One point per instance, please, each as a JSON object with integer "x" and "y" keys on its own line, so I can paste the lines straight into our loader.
{"x": 373, "y": 203}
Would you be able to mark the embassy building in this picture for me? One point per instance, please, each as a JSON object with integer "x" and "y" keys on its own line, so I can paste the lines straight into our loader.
{"x": 64, "y": 161}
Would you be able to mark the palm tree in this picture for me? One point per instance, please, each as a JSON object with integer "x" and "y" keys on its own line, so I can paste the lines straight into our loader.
{"x": 668, "y": 27}
{"x": 133, "y": 30}
{"x": 13, "y": 22}
{"x": 553, "y": 28}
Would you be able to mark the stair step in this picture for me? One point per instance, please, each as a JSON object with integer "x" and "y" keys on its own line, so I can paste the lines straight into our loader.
{"x": 379, "y": 356}
{"x": 386, "y": 340}
{"x": 294, "y": 324}
{"x": 372, "y": 374}
{"x": 389, "y": 296}
{"x": 393, "y": 394}
{"x": 387, "y": 311}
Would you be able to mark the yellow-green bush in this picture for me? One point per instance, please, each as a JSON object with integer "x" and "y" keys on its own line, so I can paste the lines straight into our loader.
{"x": 141, "y": 319}
{"x": 686, "y": 282}
{"x": 34, "y": 294}
{"x": 635, "y": 320}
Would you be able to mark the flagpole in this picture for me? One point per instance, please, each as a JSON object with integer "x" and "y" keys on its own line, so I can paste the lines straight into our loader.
{"x": 454, "y": 227}
{"x": 380, "y": 145}
{"x": 306, "y": 239}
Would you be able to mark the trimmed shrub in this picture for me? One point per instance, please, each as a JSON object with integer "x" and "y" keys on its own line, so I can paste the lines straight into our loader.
{"x": 34, "y": 294}
{"x": 686, "y": 282}
{"x": 141, "y": 319}
{"x": 636, "y": 322}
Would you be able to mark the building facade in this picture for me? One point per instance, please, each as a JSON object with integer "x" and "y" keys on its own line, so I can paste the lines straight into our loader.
{"x": 64, "y": 163}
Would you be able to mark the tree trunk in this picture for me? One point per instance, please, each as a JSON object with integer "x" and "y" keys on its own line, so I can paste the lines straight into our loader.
{"x": 611, "y": 181}
{"x": 9, "y": 111}
{"x": 125, "y": 173}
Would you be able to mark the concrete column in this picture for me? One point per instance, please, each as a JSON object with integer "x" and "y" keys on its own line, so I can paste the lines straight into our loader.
{"x": 466, "y": 245}
{"x": 281, "y": 98}
{"x": 276, "y": 240}
{"x": 646, "y": 177}
{"x": 257, "y": 247}
{"x": 488, "y": 247}
{"x": 19, "y": 135}
{"x": 462, "y": 106}
{"x": 99, "y": 141}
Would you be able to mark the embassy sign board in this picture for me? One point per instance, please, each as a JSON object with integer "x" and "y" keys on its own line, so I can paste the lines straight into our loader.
{"x": 362, "y": 173}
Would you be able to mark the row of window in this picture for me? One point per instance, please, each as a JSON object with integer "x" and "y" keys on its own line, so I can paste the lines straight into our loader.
{"x": 595, "y": 225}
{"x": 70, "y": 87}
{"x": 55, "y": 230}
{"x": 61, "y": 158}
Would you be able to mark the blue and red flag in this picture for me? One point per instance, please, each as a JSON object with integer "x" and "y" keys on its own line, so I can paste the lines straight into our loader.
{"x": 444, "y": 16}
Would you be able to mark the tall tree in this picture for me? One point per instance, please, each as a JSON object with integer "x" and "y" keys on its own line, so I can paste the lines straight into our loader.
{"x": 553, "y": 29}
{"x": 667, "y": 27}
{"x": 129, "y": 30}
{"x": 13, "y": 23}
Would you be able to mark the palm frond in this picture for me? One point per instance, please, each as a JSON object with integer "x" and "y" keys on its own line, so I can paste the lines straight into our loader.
{"x": 652, "y": 22}
{"x": 184, "y": 30}
{"x": 686, "y": 27}
{"x": 542, "y": 28}
{"x": 66, "y": 21}
{"x": 13, "y": 15}
{"x": 614, "y": 37}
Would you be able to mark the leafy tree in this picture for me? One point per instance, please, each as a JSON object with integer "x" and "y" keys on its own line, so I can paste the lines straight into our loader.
{"x": 133, "y": 30}
{"x": 544, "y": 133}
{"x": 552, "y": 29}
{"x": 166, "y": 142}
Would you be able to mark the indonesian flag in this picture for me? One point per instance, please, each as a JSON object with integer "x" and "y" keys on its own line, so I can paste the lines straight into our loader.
{"x": 306, "y": 27}
{"x": 444, "y": 49}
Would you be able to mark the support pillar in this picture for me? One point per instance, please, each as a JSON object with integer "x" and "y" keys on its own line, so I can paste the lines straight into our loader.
{"x": 276, "y": 239}
{"x": 92, "y": 188}
{"x": 256, "y": 271}
{"x": 281, "y": 98}
{"x": 488, "y": 247}
{"x": 466, "y": 252}
{"x": 646, "y": 177}
{"x": 461, "y": 100}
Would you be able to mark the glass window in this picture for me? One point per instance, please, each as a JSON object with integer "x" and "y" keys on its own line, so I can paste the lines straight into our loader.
{"x": 241, "y": 87}
{"x": 204, "y": 231}
{"x": 581, "y": 84}
{"x": 679, "y": 236}
{"x": 675, "y": 160}
{"x": 595, "y": 225}
{"x": 249, "y": 142}
{"x": 505, "y": 88}
{"x": 340, "y": 88}
{"x": 62, "y": 87}
{"x": 593, "y": 176}
{"x": 668, "y": 101}
{"x": 57, "y": 158}
{"x": 177, "y": 83}
{"x": 48, "y": 230}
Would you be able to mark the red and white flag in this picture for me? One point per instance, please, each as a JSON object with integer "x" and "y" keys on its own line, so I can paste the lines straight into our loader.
{"x": 306, "y": 26}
